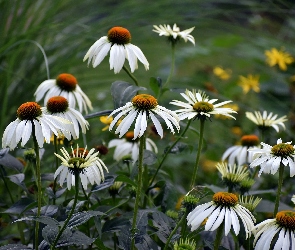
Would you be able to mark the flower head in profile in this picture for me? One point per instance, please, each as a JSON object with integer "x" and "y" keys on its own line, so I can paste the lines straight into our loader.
{"x": 278, "y": 57}
{"x": 269, "y": 158}
{"x": 199, "y": 106}
{"x": 223, "y": 209}
{"x": 174, "y": 33}
{"x": 142, "y": 108}
{"x": 107, "y": 120}
{"x": 118, "y": 43}
{"x": 239, "y": 153}
{"x": 277, "y": 233}
{"x": 185, "y": 244}
{"x": 82, "y": 162}
{"x": 223, "y": 74}
{"x": 265, "y": 121}
{"x": 249, "y": 202}
{"x": 65, "y": 85}
{"x": 129, "y": 147}
{"x": 32, "y": 121}
{"x": 59, "y": 106}
{"x": 249, "y": 82}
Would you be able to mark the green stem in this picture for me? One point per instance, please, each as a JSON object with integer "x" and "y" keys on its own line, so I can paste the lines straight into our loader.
{"x": 131, "y": 75}
{"x": 280, "y": 184}
{"x": 56, "y": 166}
{"x": 39, "y": 186}
{"x": 138, "y": 191}
{"x": 6, "y": 185}
{"x": 174, "y": 231}
{"x": 172, "y": 65}
{"x": 219, "y": 234}
{"x": 202, "y": 123}
{"x": 183, "y": 228}
{"x": 71, "y": 212}
{"x": 168, "y": 151}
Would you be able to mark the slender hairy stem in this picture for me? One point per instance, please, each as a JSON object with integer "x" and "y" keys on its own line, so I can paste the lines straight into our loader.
{"x": 280, "y": 184}
{"x": 71, "y": 212}
{"x": 168, "y": 151}
{"x": 174, "y": 231}
{"x": 131, "y": 75}
{"x": 183, "y": 228}
{"x": 138, "y": 191}
{"x": 39, "y": 186}
{"x": 56, "y": 166}
{"x": 219, "y": 234}
{"x": 202, "y": 123}
{"x": 172, "y": 65}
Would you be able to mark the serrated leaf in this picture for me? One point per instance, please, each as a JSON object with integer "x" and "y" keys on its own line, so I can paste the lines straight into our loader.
{"x": 82, "y": 217}
{"x": 43, "y": 219}
{"x": 15, "y": 247}
{"x": 164, "y": 225}
{"x": 156, "y": 85}
{"x": 123, "y": 92}
{"x": 8, "y": 161}
{"x": 18, "y": 179}
{"x": 125, "y": 237}
{"x": 20, "y": 206}
{"x": 108, "y": 181}
{"x": 57, "y": 194}
{"x": 99, "y": 243}
{"x": 115, "y": 224}
{"x": 125, "y": 179}
{"x": 149, "y": 157}
{"x": 48, "y": 210}
{"x": 79, "y": 205}
{"x": 43, "y": 245}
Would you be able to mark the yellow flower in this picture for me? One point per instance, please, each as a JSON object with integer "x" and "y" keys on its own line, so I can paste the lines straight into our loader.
{"x": 107, "y": 121}
{"x": 221, "y": 73}
{"x": 249, "y": 82}
{"x": 60, "y": 139}
{"x": 278, "y": 57}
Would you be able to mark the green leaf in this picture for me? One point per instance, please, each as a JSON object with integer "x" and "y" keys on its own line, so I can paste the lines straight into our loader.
{"x": 108, "y": 181}
{"x": 179, "y": 147}
{"x": 15, "y": 247}
{"x": 43, "y": 219}
{"x": 156, "y": 85}
{"x": 82, "y": 217}
{"x": 149, "y": 157}
{"x": 126, "y": 179}
{"x": 116, "y": 224}
{"x": 20, "y": 206}
{"x": 164, "y": 225}
{"x": 9, "y": 161}
{"x": 18, "y": 179}
{"x": 123, "y": 92}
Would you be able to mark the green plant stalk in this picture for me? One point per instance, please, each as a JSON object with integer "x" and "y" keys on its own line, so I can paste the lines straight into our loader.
{"x": 71, "y": 212}
{"x": 280, "y": 184}
{"x": 131, "y": 75}
{"x": 56, "y": 166}
{"x": 138, "y": 191}
{"x": 183, "y": 228}
{"x": 168, "y": 151}
{"x": 202, "y": 125}
{"x": 219, "y": 234}
{"x": 174, "y": 231}
{"x": 39, "y": 186}
{"x": 172, "y": 65}
{"x": 6, "y": 185}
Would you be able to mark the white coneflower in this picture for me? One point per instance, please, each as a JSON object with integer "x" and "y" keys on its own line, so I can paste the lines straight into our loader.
{"x": 224, "y": 209}
{"x": 65, "y": 85}
{"x": 85, "y": 163}
{"x": 270, "y": 157}
{"x": 141, "y": 108}
{"x": 31, "y": 119}
{"x": 118, "y": 43}
{"x": 174, "y": 33}
{"x": 59, "y": 106}
{"x": 199, "y": 106}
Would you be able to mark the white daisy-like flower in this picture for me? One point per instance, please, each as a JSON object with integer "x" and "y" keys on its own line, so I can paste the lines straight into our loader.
{"x": 118, "y": 43}
{"x": 239, "y": 153}
{"x": 85, "y": 163}
{"x": 293, "y": 198}
{"x": 265, "y": 121}
{"x": 199, "y": 106}
{"x": 224, "y": 209}
{"x": 270, "y": 157}
{"x": 174, "y": 33}
{"x": 141, "y": 108}
{"x": 65, "y": 85}
{"x": 277, "y": 234}
{"x": 59, "y": 106}
{"x": 31, "y": 120}
{"x": 129, "y": 147}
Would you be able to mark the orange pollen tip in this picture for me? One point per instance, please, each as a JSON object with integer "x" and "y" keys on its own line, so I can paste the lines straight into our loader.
{"x": 80, "y": 153}
{"x": 66, "y": 82}
{"x": 225, "y": 199}
{"x": 204, "y": 107}
{"x": 250, "y": 140}
{"x": 57, "y": 104}
{"x": 144, "y": 102}
{"x": 29, "y": 111}
{"x": 282, "y": 149}
{"x": 119, "y": 35}
{"x": 286, "y": 219}
{"x": 129, "y": 136}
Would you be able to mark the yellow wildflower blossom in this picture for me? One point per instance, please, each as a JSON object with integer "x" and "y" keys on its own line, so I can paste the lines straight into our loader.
{"x": 249, "y": 82}
{"x": 105, "y": 120}
{"x": 278, "y": 57}
{"x": 223, "y": 74}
